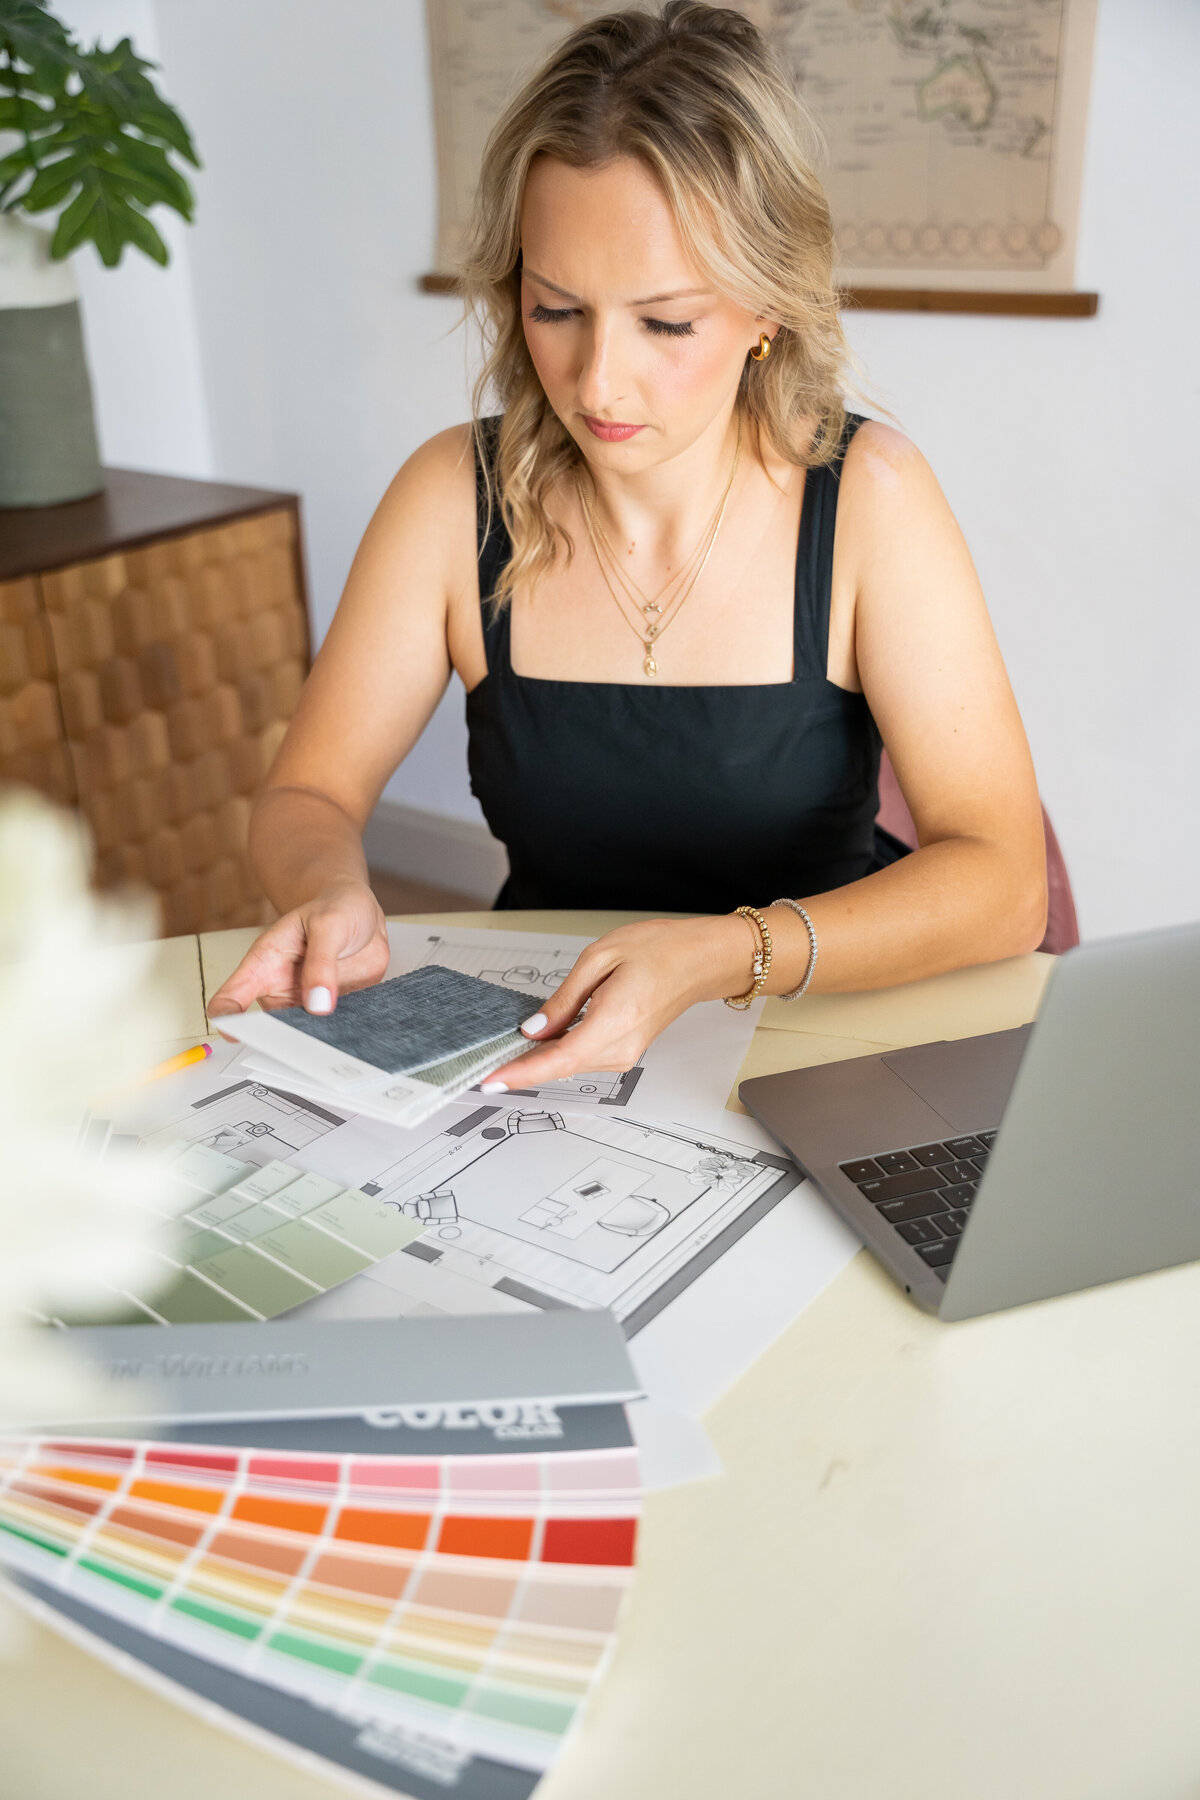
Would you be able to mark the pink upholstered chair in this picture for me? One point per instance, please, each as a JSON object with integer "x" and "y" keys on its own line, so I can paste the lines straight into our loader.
{"x": 1062, "y": 927}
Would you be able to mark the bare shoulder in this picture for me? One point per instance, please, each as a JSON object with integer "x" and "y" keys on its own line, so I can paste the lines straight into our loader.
{"x": 890, "y": 502}
{"x": 440, "y": 473}
{"x": 425, "y": 522}
{"x": 883, "y": 467}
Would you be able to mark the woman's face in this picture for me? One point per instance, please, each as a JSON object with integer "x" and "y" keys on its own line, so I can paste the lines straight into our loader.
{"x": 636, "y": 352}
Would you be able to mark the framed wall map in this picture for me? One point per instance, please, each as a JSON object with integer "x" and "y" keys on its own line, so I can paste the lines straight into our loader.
{"x": 954, "y": 130}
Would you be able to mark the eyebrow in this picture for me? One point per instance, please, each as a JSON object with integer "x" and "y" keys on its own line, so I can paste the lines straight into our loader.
{"x": 650, "y": 300}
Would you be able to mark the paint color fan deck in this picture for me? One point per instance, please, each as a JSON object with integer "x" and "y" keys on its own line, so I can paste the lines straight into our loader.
{"x": 431, "y": 1624}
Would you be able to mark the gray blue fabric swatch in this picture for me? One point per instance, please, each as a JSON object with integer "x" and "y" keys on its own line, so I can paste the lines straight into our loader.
{"x": 429, "y": 1016}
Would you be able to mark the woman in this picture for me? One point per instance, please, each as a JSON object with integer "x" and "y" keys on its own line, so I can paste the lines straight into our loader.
{"x": 677, "y": 672}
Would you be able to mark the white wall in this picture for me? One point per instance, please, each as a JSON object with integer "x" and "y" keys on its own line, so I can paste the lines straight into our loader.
{"x": 324, "y": 365}
{"x": 140, "y": 323}
{"x": 1066, "y": 446}
{"x": 1068, "y": 451}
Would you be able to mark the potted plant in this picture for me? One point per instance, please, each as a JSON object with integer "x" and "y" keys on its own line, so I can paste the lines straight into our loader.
{"x": 92, "y": 140}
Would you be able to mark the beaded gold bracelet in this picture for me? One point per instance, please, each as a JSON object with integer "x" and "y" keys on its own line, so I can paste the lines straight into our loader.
{"x": 762, "y": 956}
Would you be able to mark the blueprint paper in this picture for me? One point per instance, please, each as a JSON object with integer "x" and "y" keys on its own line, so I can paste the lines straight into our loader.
{"x": 692, "y": 1353}
{"x": 517, "y": 1204}
{"x": 657, "y": 1133}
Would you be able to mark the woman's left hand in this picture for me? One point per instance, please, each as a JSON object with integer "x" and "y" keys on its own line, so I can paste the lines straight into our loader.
{"x": 635, "y": 980}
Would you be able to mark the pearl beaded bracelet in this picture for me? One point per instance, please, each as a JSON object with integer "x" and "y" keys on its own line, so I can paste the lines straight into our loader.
{"x": 812, "y": 947}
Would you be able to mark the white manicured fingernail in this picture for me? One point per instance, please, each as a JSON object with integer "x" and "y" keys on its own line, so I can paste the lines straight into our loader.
{"x": 531, "y": 1027}
{"x": 493, "y": 1087}
{"x": 318, "y": 1000}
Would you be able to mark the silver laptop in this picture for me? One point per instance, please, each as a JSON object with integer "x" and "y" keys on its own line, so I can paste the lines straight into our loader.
{"x": 988, "y": 1171}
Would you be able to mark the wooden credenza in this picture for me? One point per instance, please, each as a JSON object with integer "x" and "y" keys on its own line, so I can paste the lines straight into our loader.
{"x": 153, "y": 640}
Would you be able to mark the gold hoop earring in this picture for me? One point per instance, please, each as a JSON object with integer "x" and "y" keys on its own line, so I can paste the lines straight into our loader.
{"x": 764, "y": 348}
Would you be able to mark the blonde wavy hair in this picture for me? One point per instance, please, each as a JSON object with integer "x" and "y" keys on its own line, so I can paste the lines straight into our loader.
{"x": 697, "y": 97}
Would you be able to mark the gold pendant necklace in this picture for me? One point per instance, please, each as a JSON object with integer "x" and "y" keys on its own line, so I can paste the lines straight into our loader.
{"x": 667, "y": 610}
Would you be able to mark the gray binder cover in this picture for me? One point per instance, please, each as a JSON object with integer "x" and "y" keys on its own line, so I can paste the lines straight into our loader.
{"x": 282, "y": 1370}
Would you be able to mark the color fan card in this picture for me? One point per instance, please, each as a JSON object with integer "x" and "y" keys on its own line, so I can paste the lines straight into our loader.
{"x": 491, "y": 1622}
{"x": 585, "y": 1478}
{"x": 395, "y": 1759}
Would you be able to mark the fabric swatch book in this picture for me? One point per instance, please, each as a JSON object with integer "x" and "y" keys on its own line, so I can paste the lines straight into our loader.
{"x": 410, "y": 1043}
{"x": 422, "y": 1595}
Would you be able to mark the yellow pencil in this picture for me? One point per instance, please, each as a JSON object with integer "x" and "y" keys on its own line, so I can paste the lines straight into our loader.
{"x": 196, "y": 1054}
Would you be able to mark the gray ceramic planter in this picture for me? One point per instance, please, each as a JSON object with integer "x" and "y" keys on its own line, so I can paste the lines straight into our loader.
{"x": 48, "y": 449}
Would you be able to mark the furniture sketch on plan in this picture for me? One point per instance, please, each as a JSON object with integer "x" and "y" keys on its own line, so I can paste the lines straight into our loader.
{"x": 639, "y": 1215}
{"x": 438, "y": 1208}
{"x": 255, "y": 1122}
{"x": 585, "y": 1189}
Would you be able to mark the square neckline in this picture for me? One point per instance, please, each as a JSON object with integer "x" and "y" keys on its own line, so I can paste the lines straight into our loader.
{"x": 497, "y": 626}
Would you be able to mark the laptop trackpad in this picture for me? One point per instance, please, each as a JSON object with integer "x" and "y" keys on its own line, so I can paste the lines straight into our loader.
{"x": 967, "y": 1080}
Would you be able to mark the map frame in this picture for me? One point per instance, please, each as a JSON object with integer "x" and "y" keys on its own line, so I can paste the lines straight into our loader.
{"x": 459, "y": 31}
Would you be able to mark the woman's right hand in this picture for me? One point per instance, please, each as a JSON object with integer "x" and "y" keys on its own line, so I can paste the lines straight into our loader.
{"x": 335, "y": 942}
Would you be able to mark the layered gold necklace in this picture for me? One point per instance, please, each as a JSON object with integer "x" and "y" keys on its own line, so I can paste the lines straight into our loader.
{"x": 658, "y": 613}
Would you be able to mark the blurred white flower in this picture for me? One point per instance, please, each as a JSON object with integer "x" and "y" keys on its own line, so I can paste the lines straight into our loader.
{"x": 79, "y": 1016}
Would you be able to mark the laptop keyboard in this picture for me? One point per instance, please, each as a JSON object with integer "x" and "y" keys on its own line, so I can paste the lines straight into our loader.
{"x": 926, "y": 1191}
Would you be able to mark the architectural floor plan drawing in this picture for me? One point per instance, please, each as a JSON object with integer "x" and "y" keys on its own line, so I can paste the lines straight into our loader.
{"x": 562, "y": 1207}
{"x": 558, "y": 1196}
{"x": 515, "y": 1205}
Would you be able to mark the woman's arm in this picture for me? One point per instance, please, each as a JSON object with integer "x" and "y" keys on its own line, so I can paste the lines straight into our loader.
{"x": 918, "y": 639}
{"x": 380, "y": 673}
{"x": 927, "y": 659}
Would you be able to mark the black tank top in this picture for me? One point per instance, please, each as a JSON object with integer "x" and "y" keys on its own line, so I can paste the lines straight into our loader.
{"x": 677, "y": 799}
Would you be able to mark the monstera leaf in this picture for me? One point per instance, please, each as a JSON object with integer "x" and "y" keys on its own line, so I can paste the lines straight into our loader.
{"x": 97, "y": 139}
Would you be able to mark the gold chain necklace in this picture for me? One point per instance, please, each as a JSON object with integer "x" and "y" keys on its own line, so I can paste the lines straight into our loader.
{"x": 652, "y": 629}
{"x": 639, "y": 599}
{"x": 636, "y": 596}
{"x": 648, "y": 630}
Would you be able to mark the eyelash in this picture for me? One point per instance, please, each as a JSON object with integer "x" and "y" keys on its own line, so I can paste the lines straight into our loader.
{"x": 545, "y": 315}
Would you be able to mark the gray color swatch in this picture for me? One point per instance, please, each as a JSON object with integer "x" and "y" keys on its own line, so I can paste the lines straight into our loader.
{"x": 415, "y": 1020}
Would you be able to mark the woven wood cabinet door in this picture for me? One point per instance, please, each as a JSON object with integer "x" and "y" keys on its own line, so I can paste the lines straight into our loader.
{"x": 179, "y": 663}
{"x": 33, "y": 749}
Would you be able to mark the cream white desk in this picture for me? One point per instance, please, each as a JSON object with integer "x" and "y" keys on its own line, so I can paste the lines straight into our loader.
{"x": 945, "y": 1562}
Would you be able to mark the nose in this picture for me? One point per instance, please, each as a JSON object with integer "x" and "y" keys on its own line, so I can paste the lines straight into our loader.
{"x": 601, "y": 380}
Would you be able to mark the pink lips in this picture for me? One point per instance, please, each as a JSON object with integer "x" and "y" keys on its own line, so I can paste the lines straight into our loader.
{"x": 610, "y": 433}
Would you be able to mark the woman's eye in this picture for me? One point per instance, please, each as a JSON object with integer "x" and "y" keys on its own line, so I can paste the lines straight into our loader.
{"x": 554, "y": 315}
